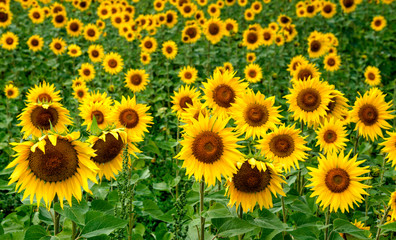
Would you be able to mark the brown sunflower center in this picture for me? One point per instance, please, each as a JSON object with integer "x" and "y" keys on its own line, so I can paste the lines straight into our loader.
{"x": 331, "y": 105}
{"x": 310, "y": 9}
{"x": 83, "y": 4}
{"x": 169, "y": 18}
{"x": 87, "y": 72}
{"x": 98, "y": 115}
{"x": 74, "y": 27}
{"x": 256, "y": 115}
{"x": 10, "y": 92}
{"x": 208, "y": 147}
{"x": 136, "y": 79}
{"x": 214, "y": 29}
{"x": 129, "y": 118}
{"x": 371, "y": 76}
{"x": 3, "y": 17}
{"x": 282, "y": 145}
{"x": 34, "y": 42}
{"x": 348, "y": 3}
{"x": 224, "y": 95}
{"x": 169, "y": 49}
{"x": 229, "y": 27}
{"x": 295, "y": 65}
{"x": 309, "y": 99}
{"x": 104, "y": 11}
{"x": 252, "y": 37}
{"x": 9, "y": 41}
{"x": 331, "y": 62}
{"x": 184, "y": 101}
{"x": 330, "y": 136}
{"x": 267, "y": 36}
{"x": 80, "y": 93}
{"x": 377, "y": 23}
{"x": 74, "y": 51}
{"x": 187, "y": 75}
{"x": 107, "y": 150}
{"x": 57, "y": 164}
{"x": 112, "y": 63}
{"x": 368, "y": 114}
{"x": 118, "y": 20}
{"x": 252, "y": 73}
{"x": 57, "y": 46}
{"x": 59, "y": 19}
{"x": 327, "y": 8}
{"x": 91, "y": 33}
{"x": 95, "y": 53}
{"x": 213, "y": 10}
{"x": 187, "y": 9}
{"x": 315, "y": 46}
{"x": 251, "y": 180}
{"x": 44, "y": 97}
{"x": 304, "y": 74}
{"x": 191, "y": 32}
{"x": 43, "y": 118}
{"x": 36, "y": 15}
{"x": 148, "y": 44}
{"x": 337, "y": 180}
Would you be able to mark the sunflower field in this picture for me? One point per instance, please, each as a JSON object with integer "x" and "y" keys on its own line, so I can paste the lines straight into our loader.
{"x": 197, "y": 119}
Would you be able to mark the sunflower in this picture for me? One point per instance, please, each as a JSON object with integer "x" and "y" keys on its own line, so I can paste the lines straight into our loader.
{"x": 318, "y": 46}
{"x": 332, "y": 62}
{"x": 214, "y": 10}
{"x": 209, "y": 149}
{"x": 58, "y": 46}
{"x": 56, "y": 164}
{"x": 221, "y": 91}
{"x": 308, "y": 100}
{"x": 103, "y": 12}
{"x": 145, "y": 58}
{"x": 148, "y": 44}
{"x": 250, "y": 57}
{"x": 184, "y": 98}
{"x": 87, "y": 72}
{"x": 35, "y": 43}
{"x": 249, "y": 15}
{"x": 256, "y": 7}
{"x": 78, "y": 82}
{"x": 74, "y": 27}
{"x": 158, "y": 5}
{"x": 91, "y": 32}
{"x": 6, "y": 17}
{"x": 11, "y": 91}
{"x": 372, "y": 75}
{"x": 338, "y": 106}
{"x": 305, "y": 71}
{"x": 329, "y": 9}
{"x": 336, "y": 181}
{"x": 193, "y": 111}
{"x": 392, "y": 204}
{"x": 37, "y": 15}
{"x": 284, "y": 147}
{"x": 284, "y": 20}
{"x": 43, "y": 93}
{"x": 370, "y": 113}
{"x": 117, "y": 20}
{"x": 279, "y": 40}
{"x": 80, "y": 92}
{"x": 289, "y": 32}
{"x": 96, "y": 96}
{"x": 389, "y": 145}
{"x": 348, "y": 6}
{"x": 228, "y": 67}
{"x": 99, "y": 110}
{"x": 38, "y": 118}
{"x": 169, "y": 49}
{"x": 109, "y": 147}
{"x": 132, "y": 116}
{"x": 331, "y": 136}
{"x": 310, "y": 10}
{"x": 378, "y": 23}
{"x": 96, "y": 53}
{"x": 9, "y": 41}
{"x": 254, "y": 114}
{"x": 188, "y": 74}
{"x": 252, "y": 39}
{"x": 359, "y": 225}
{"x": 231, "y": 26}
{"x": 253, "y": 73}
{"x": 113, "y": 63}
{"x": 295, "y": 62}
{"x": 188, "y": 9}
{"x": 253, "y": 183}
{"x": 74, "y": 50}
{"x": 268, "y": 36}
{"x": 136, "y": 79}
{"x": 191, "y": 34}
{"x": 214, "y": 30}
{"x": 171, "y": 18}
{"x": 59, "y": 20}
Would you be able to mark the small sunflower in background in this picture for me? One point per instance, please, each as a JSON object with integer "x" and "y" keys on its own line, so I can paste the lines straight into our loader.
{"x": 337, "y": 181}
{"x": 329, "y": 9}
{"x": 55, "y": 165}
{"x": 284, "y": 147}
{"x": 318, "y": 46}
{"x": 268, "y": 36}
{"x": 279, "y": 40}
{"x": 58, "y": 46}
{"x": 11, "y": 91}
{"x": 284, "y": 20}
{"x": 252, "y": 39}
{"x": 378, "y": 23}
{"x": 9, "y": 41}
{"x": 145, "y": 58}
{"x": 184, "y": 98}
{"x": 304, "y": 72}
{"x": 35, "y": 43}
{"x": 214, "y": 30}
{"x": 254, "y": 183}
{"x": 169, "y": 49}
{"x": 74, "y": 27}
{"x": 372, "y": 75}
{"x": 192, "y": 112}
{"x": 231, "y": 27}
{"x": 171, "y": 18}
{"x": 43, "y": 93}
{"x": 148, "y": 44}
{"x": 349, "y": 6}
{"x": 254, "y": 114}
{"x": 389, "y": 145}
{"x": 250, "y": 57}
{"x": 37, "y": 15}
{"x": 98, "y": 97}
{"x": 78, "y": 82}
{"x": 191, "y": 33}
{"x": 74, "y": 50}
{"x": 59, "y": 20}
{"x": 136, "y": 79}
{"x": 249, "y": 15}
{"x": 80, "y": 93}
{"x": 295, "y": 62}
{"x": 98, "y": 110}
{"x": 113, "y": 63}
{"x": 332, "y": 62}
{"x": 188, "y": 74}
{"x": 214, "y": 10}
{"x": 87, "y": 72}
{"x": 392, "y": 204}
{"x": 209, "y": 149}
{"x": 331, "y": 136}
{"x": 6, "y": 19}
{"x": 96, "y": 53}
{"x": 370, "y": 113}
{"x": 253, "y": 73}
{"x": 91, "y": 32}
{"x": 228, "y": 67}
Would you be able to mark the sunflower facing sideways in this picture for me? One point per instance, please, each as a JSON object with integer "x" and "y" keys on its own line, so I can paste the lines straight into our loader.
{"x": 184, "y": 98}
{"x": 284, "y": 147}
{"x": 55, "y": 165}
{"x": 331, "y": 136}
{"x": 109, "y": 148}
{"x": 35, "y": 43}
{"x": 254, "y": 114}
{"x": 337, "y": 181}
{"x": 209, "y": 149}
{"x": 113, "y": 63}
{"x": 254, "y": 182}
{"x": 188, "y": 74}
{"x": 44, "y": 92}
{"x": 38, "y": 118}
{"x": 169, "y": 49}
{"x": 370, "y": 113}
{"x": 372, "y": 75}
{"x": 389, "y": 145}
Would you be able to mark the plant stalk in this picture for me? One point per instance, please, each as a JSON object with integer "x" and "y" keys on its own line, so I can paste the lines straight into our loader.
{"x": 377, "y": 237}
{"x": 327, "y": 214}
{"x": 201, "y": 208}
{"x": 56, "y": 217}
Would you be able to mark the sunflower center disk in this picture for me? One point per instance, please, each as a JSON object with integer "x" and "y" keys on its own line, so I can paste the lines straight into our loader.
{"x": 35, "y": 42}
{"x": 330, "y": 136}
{"x": 377, "y": 23}
{"x": 184, "y": 101}
{"x": 331, "y": 105}
{"x": 251, "y": 180}
{"x": 109, "y": 149}
{"x": 252, "y": 37}
{"x": 98, "y": 115}
{"x": 304, "y": 74}
{"x": 58, "y": 163}
{"x": 337, "y": 180}
{"x": 95, "y": 53}
{"x": 136, "y": 80}
{"x": 224, "y": 95}
{"x": 36, "y": 15}
{"x": 267, "y": 36}
{"x": 327, "y": 9}
{"x": 80, "y": 93}
{"x": 10, "y": 92}
{"x": 310, "y": 9}
{"x": 315, "y": 46}
{"x": 188, "y": 75}
{"x": 58, "y": 46}
{"x": 43, "y": 118}
{"x": 91, "y": 32}
{"x": 282, "y": 145}
{"x": 214, "y": 29}
{"x": 148, "y": 44}
{"x": 371, "y": 76}
{"x": 348, "y": 3}
{"x": 9, "y": 41}
{"x": 87, "y": 72}
{"x": 129, "y": 118}
{"x": 208, "y": 147}
{"x": 309, "y": 99}
{"x": 252, "y": 73}
{"x": 112, "y": 63}
{"x": 331, "y": 62}
{"x": 44, "y": 97}
{"x": 191, "y": 32}
{"x": 256, "y": 115}
{"x": 74, "y": 27}
{"x": 59, "y": 19}
{"x": 169, "y": 50}
{"x": 3, "y": 17}
{"x": 368, "y": 114}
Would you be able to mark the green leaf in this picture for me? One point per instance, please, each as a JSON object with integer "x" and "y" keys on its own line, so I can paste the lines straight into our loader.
{"x": 268, "y": 220}
{"x": 35, "y": 232}
{"x": 162, "y": 186}
{"x": 234, "y": 227}
{"x": 344, "y": 226}
{"x": 75, "y": 213}
{"x": 98, "y": 223}
{"x": 389, "y": 227}
{"x": 217, "y": 210}
{"x": 152, "y": 209}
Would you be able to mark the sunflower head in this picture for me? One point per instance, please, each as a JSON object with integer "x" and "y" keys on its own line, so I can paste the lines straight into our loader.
{"x": 184, "y": 98}
{"x": 372, "y": 75}
{"x": 188, "y": 74}
{"x": 214, "y": 30}
{"x": 9, "y": 41}
{"x": 35, "y": 43}
{"x": 169, "y": 49}
{"x": 136, "y": 79}
{"x": 43, "y": 93}
{"x": 11, "y": 91}
{"x": 113, "y": 63}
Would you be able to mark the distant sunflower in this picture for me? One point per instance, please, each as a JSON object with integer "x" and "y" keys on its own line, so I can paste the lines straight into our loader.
{"x": 98, "y": 110}
{"x": 74, "y": 50}
{"x": 231, "y": 26}
{"x": 305, "y": 71}
{"x": 103, "y": 12}
{"x": 372, "y": 75}
{"x": 249, "y": 15}
{"x": 136, "y": 79}
{"x": 132, "y": 116}
{"x": 378, "y": 23}
{"x": 55, "y": 165}
{"x": 184, "y": 98}
{"x": 392, "y": 204}
{"x": 113, "y": 63}
{"x": 169, "y": 49}
{"x": 145, "y": 58}
{"x": 221, "y": 91}
{"x": 250, "y": 57}
{"x": 109, "y": 148}
{"x": 268, "y": 36}
{"x": 256, "y": 7}
{"x": 35, "y": 43}
{"x": 284, "y": 20}
{"x": 37, "y": 15}
{"x": 228, "y": 67}
{"x": 188, "y": 9}
{"x": 96, "y": 53}
{"x": 289, "y": 32}
{"x": 389, "y": 145}
{"x": 188, "y": 74}
{"x": 331, "y": 136}
{"x": 91, "y": 32}
{"x": 370, "y": 113}
{"x": 44, "y": 93}
{"x": 98, "y": 97}
{"x": 318, "y": 46}
{"x": 252, "y": 39}
{"x": 78, "y": 82}
{"x": 80, "y": 93}
{"x": 148, "y": 44}
{"x": 295, "y": 62}
{"x": 11, "y": 91}
{"x": 254, "y": 114}
{"x": 279, "y": 40}
{"x": 253, "y": 73}
{"x": 332, "y": 62}
{"x": 192, "y": 112}
{"x": 9, "y": 41}
{"x": 58, "y": 46}
{"x": 191, "y": 34}
{"x": 37, "y": 118}
{"x": 171, "y": 18}
{"x": 348, "y": 6}
{"x": 253, "y": 184}
{"x": 209, "y": 150}
{"x": 6, "y": 18}
{"x": 74, "y": 27}
{"x": 214, "y": 10}
{"x": 87, "y": 72}
{"x": 337, "y": 181}
{"x": 59, "y": 20}
{"x": 329, "y": 9}
{"x": 214, "y": 30}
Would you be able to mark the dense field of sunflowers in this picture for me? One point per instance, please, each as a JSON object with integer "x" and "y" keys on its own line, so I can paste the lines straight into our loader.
{"x": 198, "y": 119}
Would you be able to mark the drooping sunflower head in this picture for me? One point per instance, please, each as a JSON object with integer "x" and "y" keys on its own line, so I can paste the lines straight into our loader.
{"x": 337, "y": 181}
{"x": 113, "y": 63}
{"x": 372, "y": 75}
{"x": 359, "y": 225}
{"x": 184, "y": 98}
{"x": 332, "y": 62}
{"x": 78, "y": 82}
{"x": 252, "y": 39}
{"x": 74, "y": 50}
{"x": 9, "y": 41}
{"x": 55, "y": 165}
{"x": 35, "y": 43}
{"x": 136, "y": 79}
{"x": 44, "y": 93}
{"x": 214, "y": 30}
{"x": 253, "y": 73}
{"x": 338, "y": 106}
{"x": 188, "y": 74}
{"x": 74, "y": 27}
{"x": 87, "y": 72}
{"x": 11, "y": 91}
{"x": 331, "y": 136}
{"x": 378, "y": 23}
{"x": 58, "y": 46}
{"x": 295, "y": 62}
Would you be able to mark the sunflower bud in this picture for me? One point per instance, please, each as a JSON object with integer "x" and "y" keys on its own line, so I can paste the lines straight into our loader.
{"x": 375, "y": 171}
{"x": 111, "y": 88}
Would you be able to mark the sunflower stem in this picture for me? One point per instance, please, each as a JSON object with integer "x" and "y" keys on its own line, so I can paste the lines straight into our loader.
{"x": 377, "y": 237}
{"x": 201, "y": 208}
{"x": 56, "y": 217}
{"x": 74, "y": 230}
{"x": 284, "y": 213}
{"x": 327, "y": 215}
{"x": 240, "y": 215}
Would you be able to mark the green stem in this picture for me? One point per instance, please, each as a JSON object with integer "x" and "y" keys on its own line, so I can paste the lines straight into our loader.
{"x": 56, "y": 218}
{"x": 377, "y": 237}
{"x": 240, "y": 215}
{"x": 201, "y": 208}
{"x": 327, "y": 214}
{"x": 284, "y": 213}
{"x": 74, "y": 230}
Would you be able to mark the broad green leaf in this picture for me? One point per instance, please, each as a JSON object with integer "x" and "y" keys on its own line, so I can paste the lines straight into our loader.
{"x": 98, "y": 223}
{"x": 389, "y": 227}
{"x": 234, "y": 227}
{"x": 344, "y": 226}
{"x": 74, "y": 213}
{"x": 35, "y": 232}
